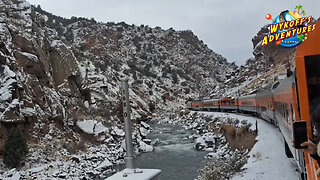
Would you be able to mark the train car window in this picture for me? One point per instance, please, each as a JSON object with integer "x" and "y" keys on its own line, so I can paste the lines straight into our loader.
{"x": 313, "y": 83}
{"x": 284, "y": 110}
{"x": 292, "y": 115}
{"x": 287, "y": 112}
{"x": 275, "y": 85}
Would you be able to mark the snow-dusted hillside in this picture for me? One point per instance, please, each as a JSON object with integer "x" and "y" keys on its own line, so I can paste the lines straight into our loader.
{"x": 165, "y": 67}
{"x": 268, "y": 65}
{"x": 60, "y": 80}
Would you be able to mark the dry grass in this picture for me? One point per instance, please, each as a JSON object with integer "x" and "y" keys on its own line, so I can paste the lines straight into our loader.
{"x": 238, "y": 138}
{"x": 75, "y": 147}
{"x": 223, "y": 168}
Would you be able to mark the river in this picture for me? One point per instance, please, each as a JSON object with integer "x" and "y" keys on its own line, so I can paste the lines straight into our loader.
{"x": 174, "y": 153}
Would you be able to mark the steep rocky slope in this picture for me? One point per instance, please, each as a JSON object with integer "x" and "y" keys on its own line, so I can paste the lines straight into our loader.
{"x": 170, "y": 63}
{"x": 60, "y": 79}
{"x": 268, "y": 65}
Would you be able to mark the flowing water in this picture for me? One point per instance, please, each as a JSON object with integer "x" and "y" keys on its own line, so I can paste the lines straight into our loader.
{"x": 174, "y": 154}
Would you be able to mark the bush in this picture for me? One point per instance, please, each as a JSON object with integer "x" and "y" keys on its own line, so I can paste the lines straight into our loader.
{"x": 223, "y": 168}
{"x": 175, "y": 79}
{"x": 152, "y": 106}
{"x": 15, "y": 149}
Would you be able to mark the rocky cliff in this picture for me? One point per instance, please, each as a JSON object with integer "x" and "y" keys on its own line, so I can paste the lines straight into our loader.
{"x": 268, "y": 64}
{"x": 60, "y": 77}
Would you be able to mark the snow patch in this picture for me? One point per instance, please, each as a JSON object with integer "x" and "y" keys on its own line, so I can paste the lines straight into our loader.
{"x": 31, "y": 56}
{"x": 105, "y": 164}
{"x": 145, "y": 147}
{"x": 91, "y": 126}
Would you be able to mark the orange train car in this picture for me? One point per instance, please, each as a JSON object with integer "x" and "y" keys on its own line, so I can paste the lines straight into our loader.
{"x": 296, "y": 98}
{"x": 196, "y": 105}
{"x": 264, "y": 102}
{"x": 228, "y": 103}
{"x": 308, "y": 91}
{"x": 247, "y": 103}
{"x": 285, "y": 104}
{"x": 211, "y": 104}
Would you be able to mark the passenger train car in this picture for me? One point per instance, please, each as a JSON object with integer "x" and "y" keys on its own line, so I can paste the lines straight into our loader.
{"x": 247, "y": 104}
{"x": 296, "y": 98}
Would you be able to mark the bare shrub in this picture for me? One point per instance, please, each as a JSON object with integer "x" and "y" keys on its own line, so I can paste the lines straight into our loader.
{"x": 224, "y": 168}
{"x": 75, "y": 147}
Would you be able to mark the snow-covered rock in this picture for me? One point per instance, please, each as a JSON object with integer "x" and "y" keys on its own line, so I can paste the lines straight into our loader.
{"x": 143, "y": 147}
{"x": 104, "y": 165}
{"x": 16, "y": 176}
{"x": 91, "y": 126}
{"x": 117, "y": 131}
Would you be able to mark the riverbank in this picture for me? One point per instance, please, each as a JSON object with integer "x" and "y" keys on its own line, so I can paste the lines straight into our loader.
{"x": 226, "y": 140}
{"x": 267, "y": 159}
{"x": 185, "y": 143}
{"x": 175, "y": 138}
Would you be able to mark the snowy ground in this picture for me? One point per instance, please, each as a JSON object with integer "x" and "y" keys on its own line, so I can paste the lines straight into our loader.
{"x": 93, "y": 162}
{"x": 267, "y": 158}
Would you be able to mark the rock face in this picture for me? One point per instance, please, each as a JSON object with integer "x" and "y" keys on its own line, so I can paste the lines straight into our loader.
{"x": 55, "y": 72}
{"x": 275, "y": 54}
{"x": 268, "y": 64}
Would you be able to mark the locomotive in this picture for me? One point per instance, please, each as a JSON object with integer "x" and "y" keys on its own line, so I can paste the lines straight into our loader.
{"x": 295, "y": 98}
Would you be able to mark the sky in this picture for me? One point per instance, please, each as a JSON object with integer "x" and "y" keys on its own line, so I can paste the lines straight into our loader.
{"x": 226, "y": 26}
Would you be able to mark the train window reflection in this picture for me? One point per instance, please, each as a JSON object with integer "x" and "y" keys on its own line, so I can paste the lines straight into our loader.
{"x": 313, "y": 82}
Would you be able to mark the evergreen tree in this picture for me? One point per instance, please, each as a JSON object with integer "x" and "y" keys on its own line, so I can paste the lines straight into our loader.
{"x": 152, "y": 106}
{"x": 15, "y": 149}
{"x": 175, "y": 79}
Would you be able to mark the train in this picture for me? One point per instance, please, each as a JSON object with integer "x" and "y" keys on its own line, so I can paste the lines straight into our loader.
{"x": 295, "y": 98}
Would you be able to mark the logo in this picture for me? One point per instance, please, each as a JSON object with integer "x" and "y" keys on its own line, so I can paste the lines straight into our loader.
{"x": 288, "y": 29}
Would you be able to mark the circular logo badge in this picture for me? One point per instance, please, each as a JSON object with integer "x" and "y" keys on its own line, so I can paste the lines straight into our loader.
{"x": 294, "y": 40}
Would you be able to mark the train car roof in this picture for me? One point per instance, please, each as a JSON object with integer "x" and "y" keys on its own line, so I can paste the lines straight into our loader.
{"x": 227, "y": 99}
{"x": 197, "y": 100}
{"x": 210, "y": 100}
{"x": 286, "y": 83}
{"x": 265, "y": 92}
{"x": 247, "y": 96}
{"x": 311, "y": 46}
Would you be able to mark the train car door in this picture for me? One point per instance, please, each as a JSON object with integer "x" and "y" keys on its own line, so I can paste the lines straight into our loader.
{"x": 309, "y": 98}
{"x": 312, "y": 64}
{"x": 308, "y": 76}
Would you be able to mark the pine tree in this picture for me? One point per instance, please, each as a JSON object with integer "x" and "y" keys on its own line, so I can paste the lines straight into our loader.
{"x": 175, "y": 79}
{"x": 15, "y": 149}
